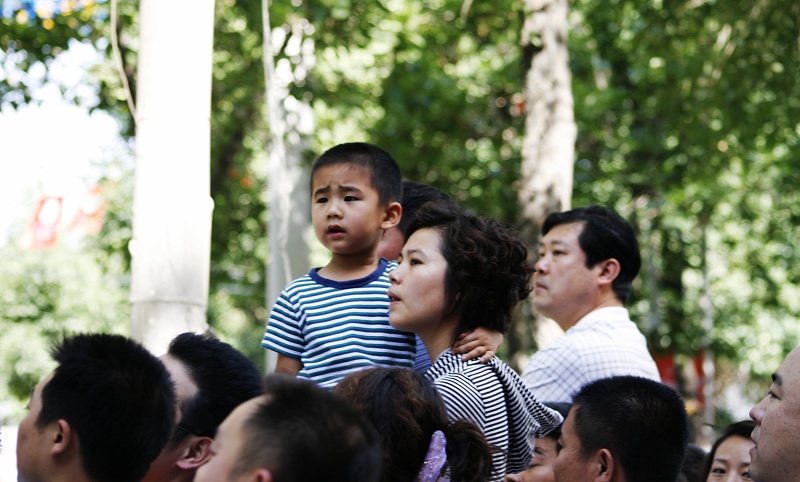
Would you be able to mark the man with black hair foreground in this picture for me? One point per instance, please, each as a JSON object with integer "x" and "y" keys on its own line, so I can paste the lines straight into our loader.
{"x": 102, "y": 415}
{"x": 211, "y": 379}
{"x": 588, "y": 259}
{"x": 775, "y": 457}
{"x": 295, "y": 432}
{"x": 623, "y": 429}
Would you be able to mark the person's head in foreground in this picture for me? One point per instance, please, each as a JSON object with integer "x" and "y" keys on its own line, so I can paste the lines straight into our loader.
{"x": 729, "y": 457}
{"x": 623, "y": 429}
{"x": 544, "y": 453}
{"x": 102, "y": 415}
{"x": 294, "y": 432}
{"x": 419, "y": 440}
{"x": 776, "y": 455}
{"x": 211, "y": 379}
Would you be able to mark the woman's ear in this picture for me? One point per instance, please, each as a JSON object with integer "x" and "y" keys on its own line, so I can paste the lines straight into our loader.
{"x": 391, "y": 215}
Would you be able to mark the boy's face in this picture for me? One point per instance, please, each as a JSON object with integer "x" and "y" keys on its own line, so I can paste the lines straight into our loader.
{"x": 346, "y": 212}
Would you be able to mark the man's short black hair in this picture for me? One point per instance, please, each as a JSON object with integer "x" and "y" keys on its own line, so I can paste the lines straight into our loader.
{"x": 415, "y": 195}
{"x": 384, "y": 172}
{"x": 642, "y": 422}
{"x": 117, "y": 398}
{"x": 224, "y": 377}
{"x": 302, "y": 432}
{"x": 605, "y": 235}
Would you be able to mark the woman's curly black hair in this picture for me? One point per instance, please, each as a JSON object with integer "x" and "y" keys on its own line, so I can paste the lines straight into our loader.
{"x": 488, "y": 272}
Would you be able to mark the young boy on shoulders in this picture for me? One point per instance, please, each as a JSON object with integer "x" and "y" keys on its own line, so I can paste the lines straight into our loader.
{"x": 334, "y": 320}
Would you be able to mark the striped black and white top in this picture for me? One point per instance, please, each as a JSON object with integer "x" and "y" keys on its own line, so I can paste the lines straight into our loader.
{"x": 337, "y": 327}
{"x": 493, "y": 396}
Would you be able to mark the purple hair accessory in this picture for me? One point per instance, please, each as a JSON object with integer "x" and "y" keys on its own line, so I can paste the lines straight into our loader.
{"x": 435, "y": 459}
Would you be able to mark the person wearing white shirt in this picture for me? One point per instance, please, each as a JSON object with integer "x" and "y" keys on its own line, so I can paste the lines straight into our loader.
{"x": 588, "y": 259}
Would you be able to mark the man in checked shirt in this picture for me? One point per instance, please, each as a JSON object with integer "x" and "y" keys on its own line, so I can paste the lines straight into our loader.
{"x": 588, "y": 259}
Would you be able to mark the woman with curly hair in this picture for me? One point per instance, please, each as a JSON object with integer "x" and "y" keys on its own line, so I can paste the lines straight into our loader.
{"x": 458, "y": 271}
{"x": 420, "y": 442}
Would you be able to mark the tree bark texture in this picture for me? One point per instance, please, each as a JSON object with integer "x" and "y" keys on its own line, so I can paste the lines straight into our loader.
{"x": 290, "y": 123}
{"x": 548, "y": 149}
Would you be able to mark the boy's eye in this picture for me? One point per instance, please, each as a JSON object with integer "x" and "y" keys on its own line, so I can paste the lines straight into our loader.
{"x": 350, "y": 198}
{"x": 321, "y": 200}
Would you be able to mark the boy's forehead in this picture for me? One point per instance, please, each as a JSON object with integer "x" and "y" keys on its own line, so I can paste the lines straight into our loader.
{"x": 342, "y": 174}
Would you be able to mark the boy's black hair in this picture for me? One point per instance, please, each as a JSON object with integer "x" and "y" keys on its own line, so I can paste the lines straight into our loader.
{"x": 117, "y": 398}
{"x": 224, "y": 377}
{"x": 605, "y": 235}
{"x": 642, "y": 422}
{"x": 302, "y": 432}
{"x": 385, "y": 174}
{"x": 488, "y": 273}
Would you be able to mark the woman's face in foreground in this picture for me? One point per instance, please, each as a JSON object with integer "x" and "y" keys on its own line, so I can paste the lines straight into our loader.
{"x": 731, "y": 461}
{"x": 417, "y": 297}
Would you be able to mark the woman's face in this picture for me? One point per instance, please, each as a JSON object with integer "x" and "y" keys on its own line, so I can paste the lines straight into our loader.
{"x": 417, "y": 297}
{"x": 731, "y": 461}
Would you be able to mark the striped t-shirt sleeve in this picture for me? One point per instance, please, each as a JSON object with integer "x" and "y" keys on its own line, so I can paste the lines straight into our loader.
{"x": 462, "y": 399}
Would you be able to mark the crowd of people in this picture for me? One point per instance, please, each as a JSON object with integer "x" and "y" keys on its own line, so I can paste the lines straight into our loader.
{"x": 387, "y": 369}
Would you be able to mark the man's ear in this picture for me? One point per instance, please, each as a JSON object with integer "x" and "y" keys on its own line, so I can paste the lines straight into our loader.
{"x": 606, "y": 466}
{"x": 62, "y": 437}
{"x": 607, "y": 271}
{"x": 195, "y": 454}
{"x": 391, "y": 215}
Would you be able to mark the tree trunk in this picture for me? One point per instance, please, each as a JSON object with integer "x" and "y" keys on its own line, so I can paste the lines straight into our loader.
{"x": 172, "y": 208}
{"x": 288, "y": 194}
{"x": 548, "y": 150}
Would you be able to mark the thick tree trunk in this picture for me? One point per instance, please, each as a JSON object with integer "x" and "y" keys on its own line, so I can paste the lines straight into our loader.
{"x": 549, "y": 147}
{"x": 288, "y": 195}
{"x": 172, "y": 207}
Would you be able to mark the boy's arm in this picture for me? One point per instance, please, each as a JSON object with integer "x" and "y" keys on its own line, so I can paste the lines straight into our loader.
{"x": 480, "y": 342}
{"x": 288, "y": 365}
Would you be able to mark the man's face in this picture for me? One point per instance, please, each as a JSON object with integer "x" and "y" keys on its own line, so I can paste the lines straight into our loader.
{"x": 164, "y": 467}
{"x": 564, "y": 288}
{"x": 775, "y": 457}
{"x": 32, "y": 440}
{"x": 571, "y": 465}
{"x": 226, "y": 450}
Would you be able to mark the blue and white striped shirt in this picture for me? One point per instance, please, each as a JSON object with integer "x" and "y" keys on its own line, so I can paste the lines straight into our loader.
{"x": 337, "y": 327}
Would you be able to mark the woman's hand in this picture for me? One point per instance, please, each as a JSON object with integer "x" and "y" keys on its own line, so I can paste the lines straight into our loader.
{"x": 479, "y": 343}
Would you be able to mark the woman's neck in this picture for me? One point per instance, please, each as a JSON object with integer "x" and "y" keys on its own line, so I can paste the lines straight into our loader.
{"x": 439, "y": 339}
